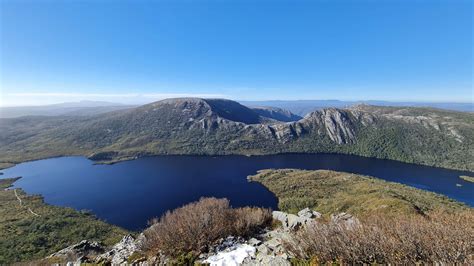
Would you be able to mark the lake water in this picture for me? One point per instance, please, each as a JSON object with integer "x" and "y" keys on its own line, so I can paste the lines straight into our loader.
{"x": 130, "y": 193}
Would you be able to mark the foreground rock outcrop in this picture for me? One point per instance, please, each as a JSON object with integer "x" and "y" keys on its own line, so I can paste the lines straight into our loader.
{"x": 270, "y": 244}
{"x": 294, "y": 222}
{"x": 264, "y": 248}
{"x": 120, "y": 252}
{"x": 94, "y": 252}
{"x": 79, "y": 253}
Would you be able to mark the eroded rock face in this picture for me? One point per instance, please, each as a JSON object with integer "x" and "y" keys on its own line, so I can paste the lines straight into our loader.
{"x": 120, "y": 252}
{"x": 283, "y": 132}
{"x": 338, "y": 126}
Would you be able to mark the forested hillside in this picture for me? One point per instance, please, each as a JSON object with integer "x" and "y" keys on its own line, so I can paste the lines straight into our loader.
{"x": 219, "y": 127}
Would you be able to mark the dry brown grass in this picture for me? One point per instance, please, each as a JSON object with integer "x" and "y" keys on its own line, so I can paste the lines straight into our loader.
{"x": 193, "y": 227}
{"x": 438, "y": 237}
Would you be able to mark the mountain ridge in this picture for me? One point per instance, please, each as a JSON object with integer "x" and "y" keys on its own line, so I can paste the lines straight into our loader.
{"x": 223, "y": 127}
{"x": 303, "y": 107}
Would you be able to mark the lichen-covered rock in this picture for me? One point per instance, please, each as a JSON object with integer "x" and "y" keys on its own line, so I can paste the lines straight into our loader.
{"x": 281, "y": 216}
{"x": 295, "y": 222}
{"x": 254, "y": 242}
{"x": 291, "y": 221}
{"x": 120, "y": 252}
{"x": 268, "y": 260}
{"x": 308, "y": 213}
{"x": 79, "y": 252}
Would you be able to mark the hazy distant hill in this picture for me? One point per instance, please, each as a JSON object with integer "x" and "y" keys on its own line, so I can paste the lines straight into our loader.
{"x": 303, "y": 107}
{"x": 216, "y": 126}
{"x": 279, "y": 110}
{"x": 276, "y": 113}
{"x": 81, "y": 108}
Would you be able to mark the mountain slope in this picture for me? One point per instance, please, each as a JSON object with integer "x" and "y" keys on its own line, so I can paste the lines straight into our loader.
{"x": 217, "y": 127}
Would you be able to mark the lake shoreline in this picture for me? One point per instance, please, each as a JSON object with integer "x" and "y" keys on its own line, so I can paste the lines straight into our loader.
{"x": 412, "y": 201}
{"x": 6, "y": 165}
{"x": 169, "y": 181}
{"x": 22, "y": 213}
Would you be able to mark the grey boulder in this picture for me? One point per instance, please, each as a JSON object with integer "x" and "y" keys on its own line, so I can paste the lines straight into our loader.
{"x": 307, "y": 213}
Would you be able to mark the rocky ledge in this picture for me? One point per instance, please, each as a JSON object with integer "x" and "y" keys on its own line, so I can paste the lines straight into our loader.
{"x": 264, "y": 248}
{"x": 93, "y": 252}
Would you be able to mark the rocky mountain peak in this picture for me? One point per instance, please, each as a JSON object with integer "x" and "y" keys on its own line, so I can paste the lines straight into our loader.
{"x": 339, "y": 124}
{"x": 198, "y": 108}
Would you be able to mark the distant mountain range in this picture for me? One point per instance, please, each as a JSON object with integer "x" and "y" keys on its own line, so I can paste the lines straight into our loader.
{"x": 219, "y": 127}
{"x": 298, "y": 108}
{"x": 82, "y": 108}
{"x": 303, "y": 107}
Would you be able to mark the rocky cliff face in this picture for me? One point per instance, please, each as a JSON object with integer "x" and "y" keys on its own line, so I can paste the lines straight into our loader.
{"x": 338, "y": 125}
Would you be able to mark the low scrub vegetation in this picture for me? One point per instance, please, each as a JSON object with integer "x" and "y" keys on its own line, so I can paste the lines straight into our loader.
{"x": 190, "y": 230}
{"x": 331, "y": 192}
{"x": 25, "y": 236}
{"x": 436, "y": 238}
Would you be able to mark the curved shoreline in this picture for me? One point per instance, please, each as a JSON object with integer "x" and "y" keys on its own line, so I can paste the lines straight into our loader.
{"x": 119, "y": 159}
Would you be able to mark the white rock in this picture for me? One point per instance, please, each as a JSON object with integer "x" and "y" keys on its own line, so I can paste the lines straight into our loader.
{"x": 254, "y": 242}
{"x": 291, "y": 221}
{"x": 296, "y": 222}
{"x": 273, "y": 243}
{"x": 263, "y": 250}
{"x": 120, "y": 251}
{"x": 281, "y": 216}
{"x": 270, "y": 260}
{"x": 308, "y": 213}
{"x": 233, "y": 257}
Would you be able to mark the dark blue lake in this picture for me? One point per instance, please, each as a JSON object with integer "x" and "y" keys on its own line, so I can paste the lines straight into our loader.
{"x": 129, "y": 193}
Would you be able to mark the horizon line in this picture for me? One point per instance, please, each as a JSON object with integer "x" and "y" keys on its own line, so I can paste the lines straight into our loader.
{"x": 229, "y": 98}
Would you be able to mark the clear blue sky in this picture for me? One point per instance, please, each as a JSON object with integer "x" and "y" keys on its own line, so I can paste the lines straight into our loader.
{"x": 53, "y": 51}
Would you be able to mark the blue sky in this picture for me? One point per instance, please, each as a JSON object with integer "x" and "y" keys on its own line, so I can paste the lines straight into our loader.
{"x": 140, "y": 51}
